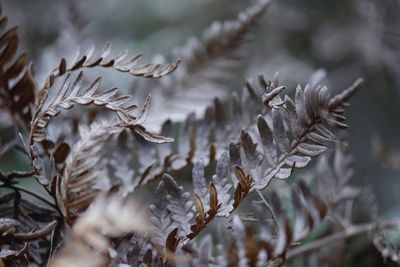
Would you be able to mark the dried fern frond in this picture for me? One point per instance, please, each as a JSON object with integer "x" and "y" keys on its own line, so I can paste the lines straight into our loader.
{"x": 132, "y": 250}
{"x": 90, "y": 242}
{"x": 76, "y": 185}
{"x": 171, "y": 213}
{"x": 83, "y": 177}
{"x": 308, "y": 121}
{"x": 288, "y": 134}
{"x": 206, "y": 137}
{"x": 17, "y": 88}
{"x": 121, "y": 62}
{"x": 172, "y": 209}
{"x": 247, "y": 248}
{"x": 266, "y": 128}
{"x": 71, "y": 94}
{"x": 207, "y": 66}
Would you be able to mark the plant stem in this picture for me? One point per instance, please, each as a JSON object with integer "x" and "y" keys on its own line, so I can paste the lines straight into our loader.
{"x": 265, "y": 202}
{"x": 20, "y": 174}
{"x": 32, "y": 194}
{"x": 347, "y": 233}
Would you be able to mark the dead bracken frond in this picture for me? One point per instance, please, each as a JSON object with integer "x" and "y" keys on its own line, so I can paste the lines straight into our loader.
{"x": 83, "y": 177}
{"x": 121, "y": 63}
{"x": 296, "y": 131}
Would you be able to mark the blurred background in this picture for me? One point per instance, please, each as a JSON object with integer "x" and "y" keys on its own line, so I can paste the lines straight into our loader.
{"x": 346, "y": 39}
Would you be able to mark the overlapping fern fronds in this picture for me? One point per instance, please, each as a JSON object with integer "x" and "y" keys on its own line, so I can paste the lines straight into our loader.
{"x": 225, "y": 158}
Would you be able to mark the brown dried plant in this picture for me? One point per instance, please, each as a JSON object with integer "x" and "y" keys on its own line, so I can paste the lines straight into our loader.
{"x": 234, "y": 155}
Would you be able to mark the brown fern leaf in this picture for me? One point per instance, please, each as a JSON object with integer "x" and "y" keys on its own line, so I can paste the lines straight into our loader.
{"x": 69, "y": 95}
{"x": 76, "y": 187}
{"x": 285, "y": 137}
{"x": 83, "y": 177}
{"x": 245, "y": 247}
{"x": 288, "y": 134}
{"x": 172, "y": 209}
{"x": 121, "y": 62}
{"x": 17, "y": 88}
{"x": 274, "y": 132}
